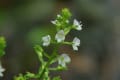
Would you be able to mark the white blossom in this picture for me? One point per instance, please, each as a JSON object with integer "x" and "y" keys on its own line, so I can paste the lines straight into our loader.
{"x": 54, "y": 22}
{"x": 46, "y": 40}
{"x": 67, "y": 21}
{"x": 76, "y": 43}
{"x": 63, "y": 59}
{"x": 78, "y": 25}
{"x": 1, "y": 70}
{"x": 59, "y": 16}
{"x": 60, "y": 36}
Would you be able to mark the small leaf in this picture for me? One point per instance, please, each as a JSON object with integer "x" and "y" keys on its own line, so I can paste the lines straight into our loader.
{"x": 30, "y": 75}
{"x": 2, "y": 46}
{"x": 20, "y": 77}
{"x": 56, "y": 78}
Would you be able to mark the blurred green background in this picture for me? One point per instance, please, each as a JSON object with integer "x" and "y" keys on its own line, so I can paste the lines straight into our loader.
{"x": 24, "y": 22}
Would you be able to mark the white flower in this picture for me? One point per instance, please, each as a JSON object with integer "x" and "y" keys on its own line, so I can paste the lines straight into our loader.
{"x": 78, "y": 25}
{"x": 59, "y": 16}
{"x": 63, "y": 59}
{"x": 67, "y": 21}
{"x": 76, "y": 43}
{"x": 60, "y": 36}
{"x": 1, "y": 70}
{"x": 54, "y": 22}
{"x": 46, "y": 40}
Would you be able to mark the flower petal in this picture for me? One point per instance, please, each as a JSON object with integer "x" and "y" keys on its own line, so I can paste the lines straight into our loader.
{"x": 76, "y": 43}
{"x": 60, "y": 36}
{"x": 63, "y": 59}
{"x": 46, "y": 40}
{"x": 75, "y": 48}
{"x": 54, "y": 22}
{"x": 78, "y": 25}
{"x": 1, "y": 70}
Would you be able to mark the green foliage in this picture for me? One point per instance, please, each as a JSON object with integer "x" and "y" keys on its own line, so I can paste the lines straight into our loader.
{"x": 2, "y": 46}
{"x": 56, "y": 78}
{"x": 20, "y": 77}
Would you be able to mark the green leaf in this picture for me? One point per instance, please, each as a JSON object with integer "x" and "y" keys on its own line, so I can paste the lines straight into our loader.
{"x": 20, "y": 77}
{"x": 2, "y": 46}
{"x": 30, "y": 75}
{"x": 57, "y": 78}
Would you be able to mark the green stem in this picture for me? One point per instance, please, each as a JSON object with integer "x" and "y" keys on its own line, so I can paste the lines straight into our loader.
{"x": 68, "y": 43}
{"x": 48, "y": 63}
{"x": 53, "y": 69}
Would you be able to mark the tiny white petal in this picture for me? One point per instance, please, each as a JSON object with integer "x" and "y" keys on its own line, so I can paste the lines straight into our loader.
{"x": 46, "y": 40}
{"x": 78, "y": 25}
{"x": 67, "y": 21}
{"x": 76, "y": 43}
{"x": 54, "y": 22}
{"x": 60, "y": 36}
{"x": 75, "y": 48}
{"x": 1, "y": 70}
{"x": 63, "y": 59}
{"x": 58, "y": 16}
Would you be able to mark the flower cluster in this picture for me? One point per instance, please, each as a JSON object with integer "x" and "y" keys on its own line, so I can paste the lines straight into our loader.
{"x": 63, "y": 27}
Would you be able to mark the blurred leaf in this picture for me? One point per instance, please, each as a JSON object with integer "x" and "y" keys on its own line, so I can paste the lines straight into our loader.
{"x": 2, "y": 46}
{"x": 56, "y": 78}
{"x": 20, "y": 77}
{"x": 30, "y": 75}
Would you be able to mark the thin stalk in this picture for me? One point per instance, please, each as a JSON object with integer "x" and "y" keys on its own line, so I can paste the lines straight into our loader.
{"x": 48, "y": 63}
